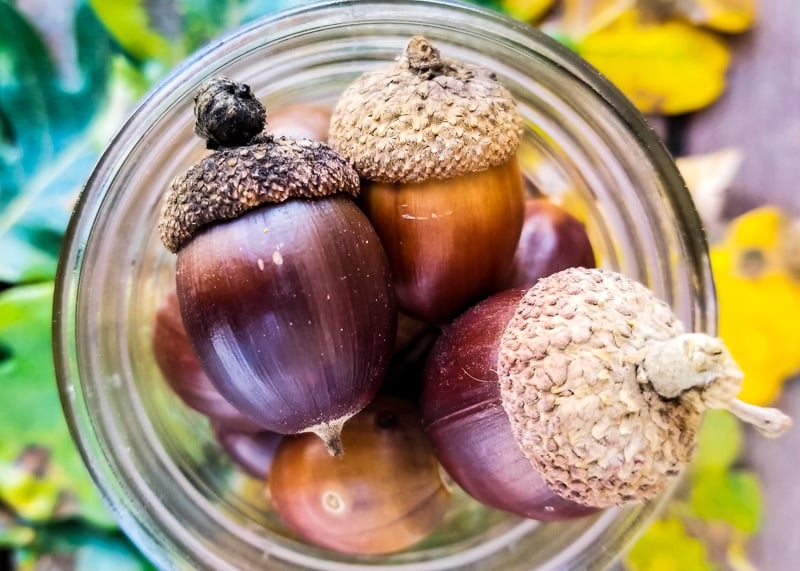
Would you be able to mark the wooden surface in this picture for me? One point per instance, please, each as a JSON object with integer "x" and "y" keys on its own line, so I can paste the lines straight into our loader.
{"x": 760, "y": 113}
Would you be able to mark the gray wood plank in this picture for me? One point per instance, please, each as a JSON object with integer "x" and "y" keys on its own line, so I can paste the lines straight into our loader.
{"x": 760, "y": 113}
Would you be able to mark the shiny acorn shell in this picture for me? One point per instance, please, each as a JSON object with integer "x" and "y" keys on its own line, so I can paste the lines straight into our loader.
{"x": 183, "y": 373}
{"x": 463, "y": 413}
{"x": 283, "y": 286}
{"x": 383, "y": 495}
{"x": 290, "y": 310}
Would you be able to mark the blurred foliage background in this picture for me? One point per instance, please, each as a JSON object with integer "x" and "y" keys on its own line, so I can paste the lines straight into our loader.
{"x": 70, "y": 73}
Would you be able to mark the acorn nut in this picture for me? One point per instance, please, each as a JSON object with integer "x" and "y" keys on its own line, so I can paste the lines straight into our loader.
{"x": 435, "y": 140}
{"x": 383, "y": 495}
{"x": 283, "y": 287}
{"x": 552, "y": 240}
{"x": 595, "y": 382}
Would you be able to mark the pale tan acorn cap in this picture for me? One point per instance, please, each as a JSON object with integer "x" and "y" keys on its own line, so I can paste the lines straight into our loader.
{"x": 232, "y": 181}
{"x": 425, "y": 117}
{"x": 579, "y": 405}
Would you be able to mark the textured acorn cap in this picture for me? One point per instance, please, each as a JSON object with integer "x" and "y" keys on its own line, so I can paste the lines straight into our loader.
{"x": 425, "y": 117}
{"x": 232, "y": 181}
{"x": 579, "y": 398}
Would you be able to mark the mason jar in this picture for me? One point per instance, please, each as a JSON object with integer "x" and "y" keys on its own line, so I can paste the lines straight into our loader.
{"x": 155, "y": 461}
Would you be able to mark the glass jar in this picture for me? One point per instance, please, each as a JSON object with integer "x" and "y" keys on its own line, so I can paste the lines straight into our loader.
{"x": 155, "y": 461}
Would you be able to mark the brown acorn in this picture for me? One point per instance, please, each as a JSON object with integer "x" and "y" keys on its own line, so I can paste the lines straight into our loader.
{"x": 580, "y": 392}
{"x": 301, "y": 121}
{"x": 435, "y": 140}
{"x": 384, "y": 494}
{"x": 552, "y": 240}
{"x": 283, "y": 286}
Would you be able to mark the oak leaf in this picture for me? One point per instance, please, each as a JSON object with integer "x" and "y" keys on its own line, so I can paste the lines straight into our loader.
{"x": 666, "y": 67}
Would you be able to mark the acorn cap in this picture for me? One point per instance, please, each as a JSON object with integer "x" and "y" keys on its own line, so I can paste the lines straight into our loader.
{"x": 232, "y": 181}
{"x": 581, "y": 404}
{"x": 425, "y": 117}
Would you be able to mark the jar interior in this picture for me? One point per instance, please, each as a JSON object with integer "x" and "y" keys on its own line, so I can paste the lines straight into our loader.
{"x": 173, "y": 488}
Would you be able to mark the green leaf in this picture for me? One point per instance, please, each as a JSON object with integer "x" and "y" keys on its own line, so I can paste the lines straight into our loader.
{"x": 44, "y": 112}
{"x": 28, "y": 255}
{"x": 730, "y": 496}
{"x": 129, "y": 24}
{"x": 666, "y": 546}
{"x": 719, "y": 441}
{"x": 85, "y": 547}
{"x": 31, "y": 415}
{"x": 45, "y": 154}
{"x": 203, "y": 20}
{"x": 26, "y": 77}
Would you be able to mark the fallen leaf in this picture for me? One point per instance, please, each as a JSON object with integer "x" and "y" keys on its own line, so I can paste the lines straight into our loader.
{"x": 129, "y": 22}
{"x": 709, "y": 176}
{"x": 579, "y": 18}
{"x": 758, "y": 302}
{"x": 31, "y": 418}
{"x": 666, "y": 546}
{"x": 662, "y": 67}
{"x": 731, "y": 496}
{"x": 526, "y": 10}
{"x": 718, "y": 443}
{"x": 731, "y": 16}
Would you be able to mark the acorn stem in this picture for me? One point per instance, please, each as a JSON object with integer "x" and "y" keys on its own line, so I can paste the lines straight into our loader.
{"x": 331, "y": 434}
{"x": 696, "y": 360}
{"x": 770, "y": 422}
{"x": 422, "y": 56}
{"x": 690, "y": 360}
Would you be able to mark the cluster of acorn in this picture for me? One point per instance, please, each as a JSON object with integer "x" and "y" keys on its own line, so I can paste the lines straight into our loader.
{"x": 298, "y": 260}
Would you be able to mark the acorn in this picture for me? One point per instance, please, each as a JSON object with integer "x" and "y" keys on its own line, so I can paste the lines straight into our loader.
{"x": 283, "y": 287}
{"x": 385, "y": 494}
{"x": 174, "y": 355}
{"x": 591, "y": 379}
{"x": 552, "y": 240}
{"x": 301, "y": 121}
{"x": 435, "y": 140}
{"x": 253, "y": 452}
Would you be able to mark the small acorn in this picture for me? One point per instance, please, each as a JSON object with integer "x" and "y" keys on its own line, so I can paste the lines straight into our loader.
{"x": 383, "y": 495}
{"x": 552, "y": 240}
{"x": 283, "y": 287}
{"x": 594, "y": 381}
{"x": 435, "y": 140}
{"x": 253, "y": 452}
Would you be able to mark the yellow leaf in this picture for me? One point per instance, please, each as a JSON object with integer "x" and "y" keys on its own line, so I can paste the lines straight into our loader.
{"x": 526, "y": 10}
{"x": 663, "y": 67}
{"x": 579, "y": 18}
{"x": 759, "y": 302}
{"x": 730, "y": 16}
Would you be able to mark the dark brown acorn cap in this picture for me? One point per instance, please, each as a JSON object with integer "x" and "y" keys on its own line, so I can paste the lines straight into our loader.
{"x": 232, "y": 181}
{"x": 425, "y": 117}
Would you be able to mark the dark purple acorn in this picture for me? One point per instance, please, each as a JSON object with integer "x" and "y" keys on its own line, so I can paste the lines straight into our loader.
{"x": 581, "y": 392}
{"x": 175, "y": 358}
{"x": 251, "y": 451}
{"x": 283, "y": 286}
{"x": 552, "y": 240}
{"x": 463, "y": 413}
